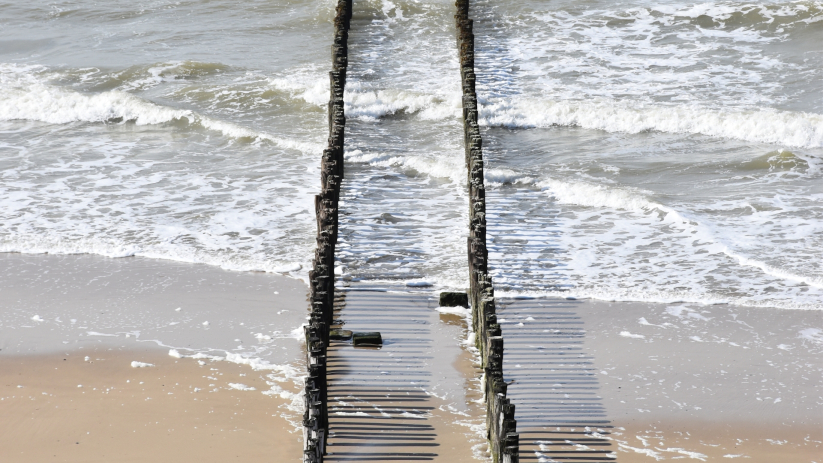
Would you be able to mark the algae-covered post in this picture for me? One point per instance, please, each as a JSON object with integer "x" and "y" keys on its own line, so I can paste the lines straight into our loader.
{"x": 500, "y": 423}
{"x": 317, "y": 332}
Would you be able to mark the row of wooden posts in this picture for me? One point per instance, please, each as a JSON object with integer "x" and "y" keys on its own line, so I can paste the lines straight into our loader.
{"x": 321, "y": 277}
{"x": 501, "y": 426}
{"x": 500, "y": 423}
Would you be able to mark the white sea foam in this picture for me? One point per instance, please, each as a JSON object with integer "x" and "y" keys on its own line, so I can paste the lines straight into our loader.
{"x": 761, "y": 15}
{"x": 23, "y": 96}
{"x": 115, "y": 201}
{"x": 673, "y": 68}
{"x": 276, "y": 374}
{"x": 42, "y": 103}
{"x": 419, "y": 284}
{"x": 683, "y": 312}
{"x": 759, "y": 126}
{"x": 372, "y": 105}
{"x": 594, "y": 195}
{"x": 235, "y": 131}
{"x": 167, "y": 72}
{"x": 659, "y": 253}
{"x": 113, "y": 249}
{"x": 814, "y": 335}
{"x": 690, "y": 454}
{"x": 675, "y": 51}
{"x": 590, "y": 195}
{"x": 648, "y": 452}
{"x": 137, "y": 364}
{"x": 462, "y": 311}
{"x": 497, "y": 176}
{"x": 69, "y": 230}
{"x": 305, "y": 84}
{"x": 365, "y": 103}
{"x": 443, "y": 165}
{"x": 241, "y": 387}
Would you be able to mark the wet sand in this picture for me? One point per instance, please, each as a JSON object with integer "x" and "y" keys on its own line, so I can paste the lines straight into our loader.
{"x": 673, "y": 438}
{"x": 61, "y": 407}
{"x": 642, "y": 382}
{"x": 57, "y": 310}
{"x": 721, "y": 381}
{"x": 49, "y": 303}
{"x": 413, "y": 399}
{"x": 656, "y": 382}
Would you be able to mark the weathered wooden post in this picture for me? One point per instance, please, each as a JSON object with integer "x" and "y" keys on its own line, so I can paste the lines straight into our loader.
{"x": 321, "y": 276}
{"x": 500, "y": 423}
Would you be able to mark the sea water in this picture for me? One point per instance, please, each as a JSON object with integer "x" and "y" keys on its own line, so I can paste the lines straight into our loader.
{"x": 635, "y": 151}
{"x": 655, "y": 152}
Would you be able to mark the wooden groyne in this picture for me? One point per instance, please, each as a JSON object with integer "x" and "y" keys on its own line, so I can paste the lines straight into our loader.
{"x": 321, "y": 277}
{"x": 500, "y": 422}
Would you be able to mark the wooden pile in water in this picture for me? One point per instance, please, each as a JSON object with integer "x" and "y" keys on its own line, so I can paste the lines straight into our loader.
{"x": 321, "y": 277}
{"x": 501, "y": 426}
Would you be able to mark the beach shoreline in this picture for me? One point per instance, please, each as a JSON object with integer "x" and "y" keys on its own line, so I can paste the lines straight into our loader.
{"x": 101, "y": 314}
{"x": 731, "y": 364}
{"x": 657, "y": 382}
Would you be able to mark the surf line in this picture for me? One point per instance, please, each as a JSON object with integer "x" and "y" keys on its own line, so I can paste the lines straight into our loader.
{"x": 321, "y": 276}
{"x": 504, "y": 442}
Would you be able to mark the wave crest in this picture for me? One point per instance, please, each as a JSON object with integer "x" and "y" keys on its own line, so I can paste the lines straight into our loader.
{"x": 787, "y": 128}
{"x": 23, "y": 97}
{"x": 371, "y": 105}
{"x": 42, "y": 103}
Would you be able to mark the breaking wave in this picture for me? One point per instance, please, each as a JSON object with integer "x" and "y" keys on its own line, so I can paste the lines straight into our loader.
{"x": 787, "y": 128}
{"x": 23, "y": 97}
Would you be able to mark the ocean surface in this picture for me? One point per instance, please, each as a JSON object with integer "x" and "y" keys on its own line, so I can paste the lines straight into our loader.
{"x": 638, "y": 151}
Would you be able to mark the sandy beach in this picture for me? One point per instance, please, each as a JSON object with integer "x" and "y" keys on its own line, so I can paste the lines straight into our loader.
{"x": 672, "y": 381}
{"x": 96, "y": 361}
{"x": 62, "y": 407}
{"x": 669, "y": 381}
{"x": 709, "y": 383}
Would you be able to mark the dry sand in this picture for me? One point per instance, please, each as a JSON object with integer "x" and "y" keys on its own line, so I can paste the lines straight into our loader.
{"x": 61, "y": 407}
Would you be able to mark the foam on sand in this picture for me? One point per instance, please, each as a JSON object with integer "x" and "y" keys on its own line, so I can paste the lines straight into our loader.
{"x": 241, "y": 387}
{"x": 136, "y": 364}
